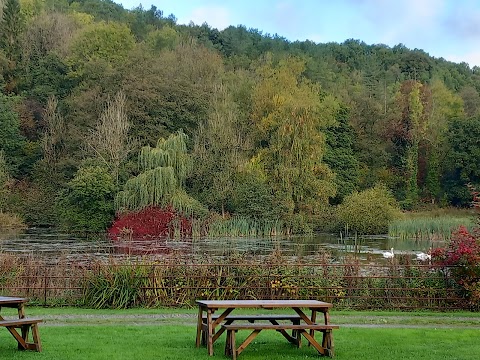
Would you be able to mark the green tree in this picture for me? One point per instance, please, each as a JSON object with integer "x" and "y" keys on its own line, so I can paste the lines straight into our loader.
{"x": 445, "y": 106}
{"x": 110, "y": 42}
{"x": 11, "y": 140}
{"x": 291, "y": 114}
{"x": 218, "y": 152}
{"x": 171, "y": 90}
{"x": 462, "y": 159}
{"x": 11, "y": 27}
{"x": 408, "y": 131}
{"x": 340, "y": 157}
{"x": 87, "y": 203}
{"x": 4, "y": 179}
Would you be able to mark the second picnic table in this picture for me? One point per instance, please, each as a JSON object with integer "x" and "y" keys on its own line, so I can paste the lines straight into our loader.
{"x": 302, "y": 324}
{"x": 23, "y": 323}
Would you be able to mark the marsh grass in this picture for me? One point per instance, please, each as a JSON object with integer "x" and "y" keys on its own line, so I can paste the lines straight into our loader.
{"x": 11, "y": 222}
{"x": 244, "y": 226}
{"x": 430, "y": 228}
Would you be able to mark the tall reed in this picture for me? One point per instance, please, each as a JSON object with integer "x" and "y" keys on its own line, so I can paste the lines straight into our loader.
{"x": 428, "y": 228}
{"x": 238, "y": 226}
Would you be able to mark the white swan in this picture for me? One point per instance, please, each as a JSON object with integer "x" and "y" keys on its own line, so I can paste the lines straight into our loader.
{"x": 388, "y": 254}
{"x": 424, "y": 257}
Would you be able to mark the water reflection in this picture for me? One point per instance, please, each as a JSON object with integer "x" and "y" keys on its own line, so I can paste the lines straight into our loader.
{"x": 53, "y": 244}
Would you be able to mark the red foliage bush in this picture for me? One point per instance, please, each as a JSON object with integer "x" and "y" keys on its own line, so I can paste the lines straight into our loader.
{"x": 462, "y": 255}
{"x": 151, "y": 222}
{"x": 463, "y": 249}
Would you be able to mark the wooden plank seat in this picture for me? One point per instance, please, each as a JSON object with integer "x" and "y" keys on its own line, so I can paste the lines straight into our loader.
{"x": 274, "y": 318}
{"x": 253, "y": 318}
{"x": 25, "y": 325}
{"x": 300, "y": 329}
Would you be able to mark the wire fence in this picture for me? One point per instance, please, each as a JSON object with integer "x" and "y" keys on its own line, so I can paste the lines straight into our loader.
{"x": 176, "y": 281}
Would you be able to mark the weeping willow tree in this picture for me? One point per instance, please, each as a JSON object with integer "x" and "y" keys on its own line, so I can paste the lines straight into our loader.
{"x": 163, "y": 171}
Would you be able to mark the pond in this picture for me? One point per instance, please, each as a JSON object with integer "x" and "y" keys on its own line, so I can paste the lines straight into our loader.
{"x": 52, "y": 244}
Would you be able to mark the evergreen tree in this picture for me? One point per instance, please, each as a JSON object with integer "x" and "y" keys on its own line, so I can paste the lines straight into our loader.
{"x": 11, "y": 28}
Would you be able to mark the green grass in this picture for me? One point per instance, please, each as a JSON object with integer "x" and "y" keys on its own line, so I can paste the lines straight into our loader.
{"x": 160, "y": 334}
{"x": 177, "y": 342}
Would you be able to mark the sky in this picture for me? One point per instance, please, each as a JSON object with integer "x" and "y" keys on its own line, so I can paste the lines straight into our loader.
{"x": 443, "y": 28}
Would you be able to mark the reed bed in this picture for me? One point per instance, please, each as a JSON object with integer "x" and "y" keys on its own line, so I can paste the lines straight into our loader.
{"x": 238, "y": 226}
{"x": 11, "y": 222}
{"x": 429, "y": 228}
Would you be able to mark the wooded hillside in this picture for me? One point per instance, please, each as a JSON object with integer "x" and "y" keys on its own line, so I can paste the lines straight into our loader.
{"x": 100, "y": 102}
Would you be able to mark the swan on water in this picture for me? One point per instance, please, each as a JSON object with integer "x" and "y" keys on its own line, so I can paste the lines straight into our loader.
{"x": 388, "y": 254}
{"x": 424, "y": 257}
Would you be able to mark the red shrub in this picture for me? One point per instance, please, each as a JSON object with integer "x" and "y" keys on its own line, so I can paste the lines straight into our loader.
{"x": 151, "y": 222}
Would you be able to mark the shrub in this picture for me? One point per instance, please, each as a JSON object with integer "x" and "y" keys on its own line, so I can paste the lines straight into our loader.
{"x": 462, "y": 256}
{"x": 151, "y": 222}
{"x": 369, "y": 211}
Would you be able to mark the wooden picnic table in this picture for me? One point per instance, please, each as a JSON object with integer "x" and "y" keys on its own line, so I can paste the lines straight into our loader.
{"x": 207, "y": 322}
{"x": 23, "y": 323}
{"x": 13, "y": 302}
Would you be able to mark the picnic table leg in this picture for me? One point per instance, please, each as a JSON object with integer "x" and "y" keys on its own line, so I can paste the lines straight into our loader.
{"x": 327, "y": 335}
{"x": 327, "y": 342}
{"x": 230, "y": 344}
{"x": 21, "y": 315}
{"x": 199, "y": 327}
{"x": 210, "y": 332}
{"x": 314, "y": 319}
{"x": 36, "y": 338}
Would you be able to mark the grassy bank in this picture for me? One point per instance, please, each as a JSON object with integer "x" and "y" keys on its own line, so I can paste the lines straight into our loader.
{"x": 73, "y": 333}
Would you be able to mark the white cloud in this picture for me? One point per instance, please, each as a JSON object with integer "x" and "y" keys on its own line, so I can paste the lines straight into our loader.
{"x": 472, "y": 58}
{"x": 316, "y": 38}
{"x": 215, "y": 16}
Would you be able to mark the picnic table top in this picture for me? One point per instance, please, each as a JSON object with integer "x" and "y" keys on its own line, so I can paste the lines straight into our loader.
{"x": 12, "y": 300}
{"x": 263, "y": 303}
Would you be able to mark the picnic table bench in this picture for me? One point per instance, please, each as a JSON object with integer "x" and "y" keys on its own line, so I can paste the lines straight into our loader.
{"x": 23, "y": 323}
{"x": 325, "y": 349}
{"x": 272, "y": 318}
{"x": 299, "y": 323}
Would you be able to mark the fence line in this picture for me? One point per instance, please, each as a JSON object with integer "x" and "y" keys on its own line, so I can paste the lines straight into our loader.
{"x": 176, "y": 282}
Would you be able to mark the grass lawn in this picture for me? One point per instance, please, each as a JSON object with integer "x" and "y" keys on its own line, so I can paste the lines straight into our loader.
{"x": 109, "y": 339}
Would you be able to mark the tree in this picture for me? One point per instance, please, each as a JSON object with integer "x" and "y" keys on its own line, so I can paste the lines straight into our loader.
{"x": 11, "y": 27}
{"x": 54, "y": 137}
{"x": 110, "y": 42}
{"x": 462, "y": 159}
{"x": 4, "y": 179}
{"x": 291, "y": 114}
{"x": 87, "y": 203}
{"x": 172, "y": 90}
{"x": 109, "y": 141}
{"x": 471, "y": 100}
{"x": 218, "y": 152}
{"x": 408, "y": 130}
{"x": 445, "y": 106}
{"x": 11, "y": 140}
{"x": 161, "y": 181}
{"x": 340, "y": 156}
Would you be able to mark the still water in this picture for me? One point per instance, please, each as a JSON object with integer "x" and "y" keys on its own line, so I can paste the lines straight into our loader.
{"x": 52, "y": 244}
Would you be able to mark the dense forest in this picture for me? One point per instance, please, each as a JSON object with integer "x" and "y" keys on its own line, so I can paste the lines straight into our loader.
{"x": 107, "y": 111}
